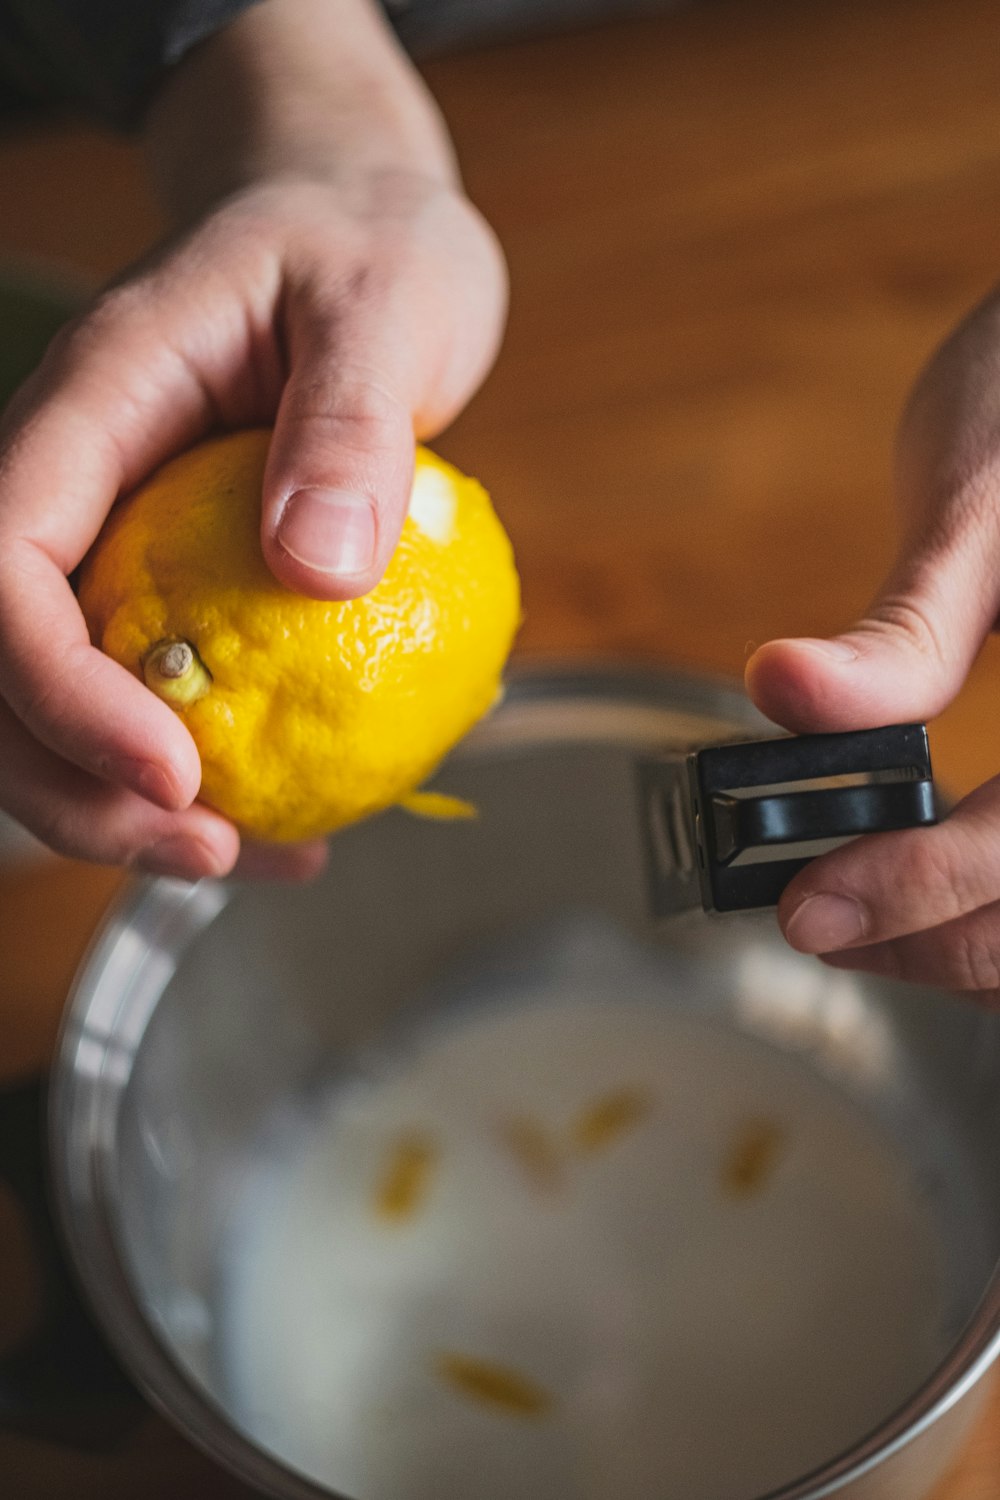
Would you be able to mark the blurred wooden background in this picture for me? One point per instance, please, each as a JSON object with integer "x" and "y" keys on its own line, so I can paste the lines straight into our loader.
{"x": 734, "y": 235}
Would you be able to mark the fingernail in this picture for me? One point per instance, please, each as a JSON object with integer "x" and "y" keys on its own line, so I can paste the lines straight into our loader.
{"x": 836, "y": 650}
{"x": 823, "y": 924}
{"x": 148, "y": 780}
{"x": 180, "y": 855}
{"x": 332, "y": 531}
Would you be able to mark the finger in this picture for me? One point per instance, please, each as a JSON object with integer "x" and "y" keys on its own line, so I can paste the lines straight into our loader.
{"x": 296, "y": 863}
{"x": 370, "y": 364}
{"x": 114, "y": 396}
{"x": 78, "y": 702}
{"x": 963, "y": 955}
{"x": 908, "y": 657}
{"x": 889, "y": 884}
{"x": 83, "y": 817}
{"x": 149, "y": 369}
{"x": 340, "y": 467}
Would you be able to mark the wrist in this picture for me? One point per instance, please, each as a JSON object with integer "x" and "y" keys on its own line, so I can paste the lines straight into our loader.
{"x": 298, "y": 89}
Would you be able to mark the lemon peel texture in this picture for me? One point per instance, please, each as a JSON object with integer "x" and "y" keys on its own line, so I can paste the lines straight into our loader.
{"x": 308, "y": 715}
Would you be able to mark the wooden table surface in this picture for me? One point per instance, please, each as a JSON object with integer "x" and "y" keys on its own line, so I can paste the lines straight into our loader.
{"x": 734, "y": 234}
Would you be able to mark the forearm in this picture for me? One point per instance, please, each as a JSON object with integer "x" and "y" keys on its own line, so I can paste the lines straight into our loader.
{"x": 292, "y": 88}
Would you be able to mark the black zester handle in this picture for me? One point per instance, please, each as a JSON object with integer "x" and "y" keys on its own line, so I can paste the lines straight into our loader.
{"x": 898, "y": 794}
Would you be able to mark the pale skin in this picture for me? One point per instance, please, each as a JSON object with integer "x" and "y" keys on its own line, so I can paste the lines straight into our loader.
{"x": 328, "y": 274}
{"x": 921, "y": 904}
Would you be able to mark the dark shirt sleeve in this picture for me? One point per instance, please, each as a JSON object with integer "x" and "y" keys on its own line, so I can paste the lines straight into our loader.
{"x": 99, "y": 57}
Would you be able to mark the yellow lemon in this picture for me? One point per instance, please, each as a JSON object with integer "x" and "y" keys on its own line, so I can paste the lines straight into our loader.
{"x": 308, "y": 715}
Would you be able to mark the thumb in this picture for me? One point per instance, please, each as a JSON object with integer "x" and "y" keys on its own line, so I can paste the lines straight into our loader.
{"x": 340, "y": 466}
{"x": 905, "y": 660}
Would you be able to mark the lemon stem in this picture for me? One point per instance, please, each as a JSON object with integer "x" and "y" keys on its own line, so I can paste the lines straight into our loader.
{"x": 175, "y": 672}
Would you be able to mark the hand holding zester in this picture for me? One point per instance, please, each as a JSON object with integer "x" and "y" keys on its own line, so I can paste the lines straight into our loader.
{"x": 921, "y": 904}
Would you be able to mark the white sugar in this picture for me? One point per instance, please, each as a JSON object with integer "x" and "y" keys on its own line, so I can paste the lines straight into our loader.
{"x": 695, "y": 1343}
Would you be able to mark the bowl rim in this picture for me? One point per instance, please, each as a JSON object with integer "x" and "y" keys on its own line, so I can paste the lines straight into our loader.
{"x": 154, "y": 918}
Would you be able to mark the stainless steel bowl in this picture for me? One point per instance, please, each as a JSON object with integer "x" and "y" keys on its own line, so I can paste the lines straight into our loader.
{"x": 204, "y": 1015}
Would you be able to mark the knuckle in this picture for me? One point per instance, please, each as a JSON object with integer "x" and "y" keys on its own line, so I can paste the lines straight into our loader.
{"x": 42, "y": 707}
{"x": 362, "y": 408}
{"x": 369, "y": 403}
{"x": 83, "y": 344}
{"x": 14, "y": 593}
{"x": 975, "y": 960}
{"x": 91, "y": 329}
{"x": 87, "y": 825}
{"x": 37, "y": 707}
{"x": 909, "y": 616}
{"x": 57, "y": 824}
{"x": 53, "y": 706}
{"x": 935, "y": 874}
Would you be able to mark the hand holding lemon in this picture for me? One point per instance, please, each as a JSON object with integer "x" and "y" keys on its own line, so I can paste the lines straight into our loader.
{"x": 308, "y": 714}
{"x": 350, "y": 314}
